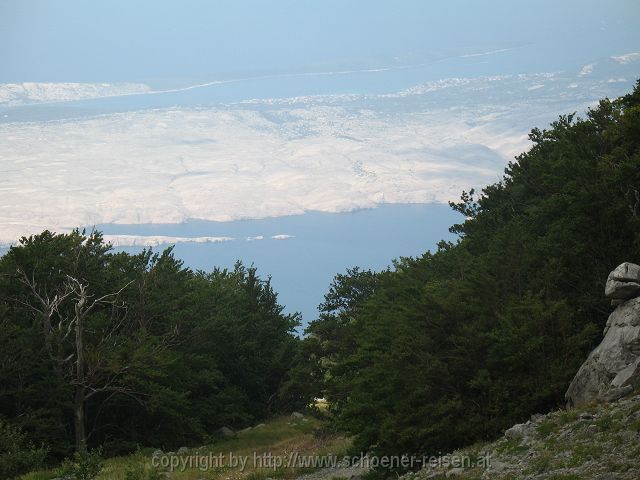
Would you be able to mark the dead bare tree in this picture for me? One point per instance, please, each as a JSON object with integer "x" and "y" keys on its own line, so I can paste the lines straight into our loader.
{"x": 632, "y": 196}
{"x": 63, "y": 317}
{"x": 634, "y": 202}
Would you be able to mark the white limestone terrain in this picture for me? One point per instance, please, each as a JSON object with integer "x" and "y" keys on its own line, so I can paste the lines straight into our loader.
{"x": 27, "y": 93}
{"x": 272, "y": 157}
{"x": 155, "y": 240}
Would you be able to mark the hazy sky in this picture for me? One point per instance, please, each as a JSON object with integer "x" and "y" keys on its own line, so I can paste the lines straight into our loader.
{"x": 79, "y": 40}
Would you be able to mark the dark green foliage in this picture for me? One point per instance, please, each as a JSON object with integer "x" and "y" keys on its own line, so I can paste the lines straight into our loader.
{"x": 436, "y": 353}
{"x": 454, "y": 346}
{"x": 303, "y": 381}
{"x": 332, "y": 337}
{"x": 17, "y": 454}
{"x": 171, "y": 357}
{"x": 83, "y": 466}
{"x": 138, "y": 471}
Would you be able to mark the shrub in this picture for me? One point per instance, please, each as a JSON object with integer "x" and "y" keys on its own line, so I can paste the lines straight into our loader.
{"x": 17, "y": 454}
{"x": 139, "y": 472}
{"x": 83, "y": 466}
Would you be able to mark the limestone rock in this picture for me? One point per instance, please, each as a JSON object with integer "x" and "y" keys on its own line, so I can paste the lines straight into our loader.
{"x": 454, "y": 472}
{"x": 626, "y": 272}
{"x": 604, "y": 439}
{"x": 623, "y": 282}
{"x": 516, "y": 432}
{"x": 521, "y": 432}
{"x": 537, "y": 417}
{"x": 613, "y": 368}
{"x": 226, "y": 432}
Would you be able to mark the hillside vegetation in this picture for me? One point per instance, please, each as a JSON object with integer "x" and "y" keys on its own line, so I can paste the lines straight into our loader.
{"x": 455, "y": 346}
{"x": 118, "y": 351}
{"x": 125, "y": 352}
{"x": 265, "y": 450}
{"x": 594, "y": 442}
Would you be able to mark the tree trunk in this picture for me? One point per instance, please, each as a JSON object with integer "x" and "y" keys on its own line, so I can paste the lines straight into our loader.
{"x": 79, "y": 421}
{"x": 57, "y": 341}
{"x": 78, "y": 403}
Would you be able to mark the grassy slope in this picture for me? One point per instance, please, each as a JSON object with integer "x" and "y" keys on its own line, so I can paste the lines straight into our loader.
{"x": 594, "y": 442}
{"x": 280, "y": 436}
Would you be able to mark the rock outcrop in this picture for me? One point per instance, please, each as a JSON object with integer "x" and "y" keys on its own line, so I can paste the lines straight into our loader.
{"x": 613, "y": 369}
{"x": 623, "y": 283}
{"x": 590, "y": 441}
{"x": 595, "y": 442}
{"x": 226, "y": 432}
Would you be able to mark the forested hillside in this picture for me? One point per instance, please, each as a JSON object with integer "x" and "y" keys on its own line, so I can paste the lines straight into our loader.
{"x": 116, "y": 350}
{"x": 113, "y": 350}
{"x": 452, "y": 347}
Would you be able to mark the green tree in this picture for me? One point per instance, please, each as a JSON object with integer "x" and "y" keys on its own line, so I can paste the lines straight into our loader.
{"x": 456, "y": 345}
{"x": 120, "y": 350}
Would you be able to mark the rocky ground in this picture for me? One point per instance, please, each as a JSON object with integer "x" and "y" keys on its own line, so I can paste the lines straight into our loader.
{"x": 597, "y": 441}
{"x": 340, "y": 472}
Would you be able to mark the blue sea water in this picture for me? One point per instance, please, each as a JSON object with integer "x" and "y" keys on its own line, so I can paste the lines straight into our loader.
{"x": 323, "y": 245}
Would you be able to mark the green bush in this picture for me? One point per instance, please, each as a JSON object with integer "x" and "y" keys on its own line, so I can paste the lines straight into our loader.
{"x": 83, "y": 466}
{"x": 17, "y": 454}
{"x": 139, "y": 472}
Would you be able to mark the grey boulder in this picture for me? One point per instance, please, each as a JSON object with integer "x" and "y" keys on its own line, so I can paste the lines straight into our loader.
{"x": 613, "y": 368}
{"x": 226, "y": 432}
{"x": 623, "y": 283}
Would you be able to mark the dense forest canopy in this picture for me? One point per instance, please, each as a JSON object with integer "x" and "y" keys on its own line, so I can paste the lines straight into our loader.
{"x": 99, "y": 348}
{"x": 454, "y": 346}
{"x": 147, "y": 351}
